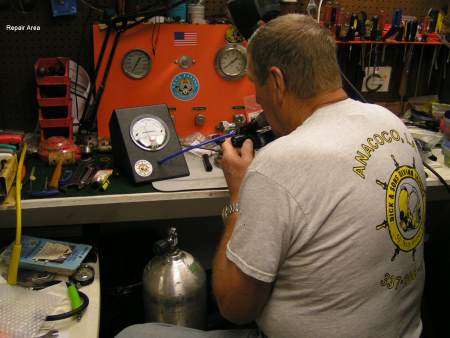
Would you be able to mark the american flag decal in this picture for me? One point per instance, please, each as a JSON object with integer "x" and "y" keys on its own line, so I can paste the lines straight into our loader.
{"x": 184, "y": 39}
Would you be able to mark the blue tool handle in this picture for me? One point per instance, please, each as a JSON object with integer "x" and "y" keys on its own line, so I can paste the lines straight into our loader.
{"x": 45, "y": 193}
{"x": 397, "y": 17}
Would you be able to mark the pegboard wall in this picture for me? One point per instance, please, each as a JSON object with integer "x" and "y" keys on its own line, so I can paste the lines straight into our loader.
{"x": 42, "y": 36}
{"x": 416, "y": 8}
{"x": 71, "y": 37}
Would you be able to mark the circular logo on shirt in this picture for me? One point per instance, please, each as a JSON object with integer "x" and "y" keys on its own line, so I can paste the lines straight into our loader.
{"x": 405, "y": 208}
{"x": 185, "y": 86}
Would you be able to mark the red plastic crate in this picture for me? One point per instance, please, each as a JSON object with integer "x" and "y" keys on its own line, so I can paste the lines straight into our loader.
{"x": 56, "y": 123}
{"x": 63, "y": 126}
{"x": 53, "y": 101}
{"x": 52, "y": 67}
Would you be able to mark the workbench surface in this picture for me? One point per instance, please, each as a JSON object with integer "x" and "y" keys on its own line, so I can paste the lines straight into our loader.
{"x": 143, "y": 203}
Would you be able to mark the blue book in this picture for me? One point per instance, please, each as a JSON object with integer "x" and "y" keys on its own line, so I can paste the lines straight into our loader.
{"x": 49, "y": 255}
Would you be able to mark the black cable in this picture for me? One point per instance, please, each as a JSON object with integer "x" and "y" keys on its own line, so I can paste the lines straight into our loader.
{"x": 151, "y": 10}
{"x": 437, "y": 175}
{"x": 155, "y": 35}
{"x": 86, "y": 118}
{"x": 120, "y": 25}
{"x": 89, "y": 5}
{"x": 71, "y": 313}
{"x": 94, "y": 107}
{"x": 353, "y": 87}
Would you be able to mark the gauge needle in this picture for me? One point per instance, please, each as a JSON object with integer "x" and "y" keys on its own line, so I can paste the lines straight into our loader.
{"x": 137, "y": 62}
{"x": 231, "y": 62}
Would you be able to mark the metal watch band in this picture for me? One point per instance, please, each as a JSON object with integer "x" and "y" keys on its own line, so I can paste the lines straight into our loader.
{"x": 228, "y": 209}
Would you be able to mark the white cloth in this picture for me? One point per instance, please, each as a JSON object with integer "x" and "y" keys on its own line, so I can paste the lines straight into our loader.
{"x": 333, "y": 215}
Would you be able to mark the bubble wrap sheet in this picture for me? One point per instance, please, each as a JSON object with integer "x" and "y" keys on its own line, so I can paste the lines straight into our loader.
{"x": 22, "y": 311}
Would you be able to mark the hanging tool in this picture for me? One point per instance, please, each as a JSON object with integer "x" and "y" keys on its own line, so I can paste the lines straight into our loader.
{"x": 403, "y": 88}
{"x": 383, "y": 54}
{"x": 396, "y": 31}
{"x": 374, "y": 81}
{"x": 434, "y": 64}
{"x": 411, "y": 30}
{"x": 418, "y": 77}
{"x": 374, "y": 32}
{"x": 363, "y": 60}
{"x": 381, "y": 23}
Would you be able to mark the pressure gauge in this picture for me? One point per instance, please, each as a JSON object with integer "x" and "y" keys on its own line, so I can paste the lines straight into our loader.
{"x": 136, "y": 64}
{"x": 140, "y": 138}
{"x": 231, "y": 62}
{"x": 149, "y": 133}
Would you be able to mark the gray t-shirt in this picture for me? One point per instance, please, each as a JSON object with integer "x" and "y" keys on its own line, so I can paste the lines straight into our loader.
{"x": 333, "y": 215}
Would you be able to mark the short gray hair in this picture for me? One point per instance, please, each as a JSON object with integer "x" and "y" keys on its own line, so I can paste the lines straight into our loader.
{"x": 305, "y": 53}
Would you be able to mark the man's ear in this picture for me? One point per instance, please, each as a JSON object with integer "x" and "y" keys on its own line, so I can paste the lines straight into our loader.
{"x": 278, "y": 82}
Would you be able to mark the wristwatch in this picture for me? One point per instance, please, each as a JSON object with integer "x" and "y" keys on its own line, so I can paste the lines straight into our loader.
{"x": 228, "y": 209}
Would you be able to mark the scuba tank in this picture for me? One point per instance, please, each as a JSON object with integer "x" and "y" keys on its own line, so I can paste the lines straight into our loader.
{"x": 174, "y": 286}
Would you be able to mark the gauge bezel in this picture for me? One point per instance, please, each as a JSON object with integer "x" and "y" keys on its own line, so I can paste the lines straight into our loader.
{"x": 153, "y": 117}
{"x": 83, "y": 281}
{"x": 130, "y": 73}
{"x": 220, "y": 54}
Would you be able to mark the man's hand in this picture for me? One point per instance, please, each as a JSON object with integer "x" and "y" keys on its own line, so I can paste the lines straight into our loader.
{"x": 234, "y": 164}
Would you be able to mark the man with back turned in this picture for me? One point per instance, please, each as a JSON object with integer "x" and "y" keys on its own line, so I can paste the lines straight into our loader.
{"x": 324, "y": 229}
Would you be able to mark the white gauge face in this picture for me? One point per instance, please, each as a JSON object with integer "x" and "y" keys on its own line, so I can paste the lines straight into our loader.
{"x": 136, "y": 64}
{"x": 149, "y": 133}
{"x": 231, "y": 62}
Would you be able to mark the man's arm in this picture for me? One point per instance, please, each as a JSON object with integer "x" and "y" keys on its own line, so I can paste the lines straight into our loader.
{"x": 239, "y": 296}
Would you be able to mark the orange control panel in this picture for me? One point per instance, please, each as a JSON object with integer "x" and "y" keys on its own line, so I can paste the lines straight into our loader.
{"x": 174, "y": 64}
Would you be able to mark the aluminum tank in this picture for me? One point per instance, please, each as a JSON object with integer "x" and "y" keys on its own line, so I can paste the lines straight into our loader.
{"x": 174, "y": 286}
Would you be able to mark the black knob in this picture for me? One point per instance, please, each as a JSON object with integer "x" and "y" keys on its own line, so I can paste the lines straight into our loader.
{"x": 42, "y": 71}
{"x": 161, "y": 247}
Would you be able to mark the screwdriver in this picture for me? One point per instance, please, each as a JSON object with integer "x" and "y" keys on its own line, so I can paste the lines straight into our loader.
{"x": 32, "y": 178}
{"x": 54, "y": 181}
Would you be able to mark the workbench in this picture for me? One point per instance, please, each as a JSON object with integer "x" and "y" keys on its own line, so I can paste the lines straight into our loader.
{"x": 123, "y": 201}
{"x": 144, "y": 203}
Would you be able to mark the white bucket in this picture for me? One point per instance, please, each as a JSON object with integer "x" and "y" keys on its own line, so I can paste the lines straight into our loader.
{"x": 79, "y": 89}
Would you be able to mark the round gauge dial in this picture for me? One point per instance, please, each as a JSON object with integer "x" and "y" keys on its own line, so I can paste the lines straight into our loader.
{"x": 231, "y": 62}
{"x": 136, "y": 64}
{"x": 149, "y": 133}
{"x": 84, "y": 275}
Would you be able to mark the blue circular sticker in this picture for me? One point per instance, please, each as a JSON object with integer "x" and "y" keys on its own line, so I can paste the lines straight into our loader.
{"x": 185, "y": 86}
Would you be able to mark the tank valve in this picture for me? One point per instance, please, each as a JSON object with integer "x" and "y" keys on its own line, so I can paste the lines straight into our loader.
{"x": 164, "y": 246}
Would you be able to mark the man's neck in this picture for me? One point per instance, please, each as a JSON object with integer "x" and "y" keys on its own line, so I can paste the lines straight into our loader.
{"x": 301, "y": 109}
